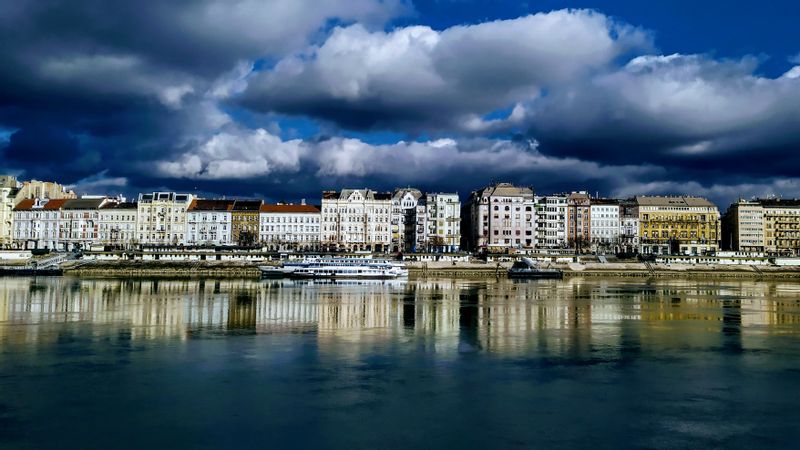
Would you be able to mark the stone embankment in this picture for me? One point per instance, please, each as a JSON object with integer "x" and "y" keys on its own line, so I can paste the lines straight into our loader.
{"x": 440, "y": 269}
{"x": 162, "y": 269}
{"x": 628, "y": 269}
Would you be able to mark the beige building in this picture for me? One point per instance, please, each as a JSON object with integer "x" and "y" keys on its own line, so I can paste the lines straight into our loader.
{"x": 781, "y": 226}
{"x": 444, "y": 222}
{"x": 289, "y": 227}
{"x": 678, "y": 225}
{"x": 743, "y": 227}
{"x": 118, "y": 224}
{"x": 409, "y": 221}
{"x": 43, "y": 189}
{"x": 7, "y": 201}
{"x": 502, "y": 216}
{"x": 161, "y": 218}
{"x": 356, "y": 219}
{"x": 244, "y": 219}
{"x": 579, "y": 223}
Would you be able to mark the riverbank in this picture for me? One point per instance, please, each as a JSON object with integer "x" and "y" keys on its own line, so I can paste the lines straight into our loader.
{"x": 467, "y": 270}
{"x": 162, "y": 269}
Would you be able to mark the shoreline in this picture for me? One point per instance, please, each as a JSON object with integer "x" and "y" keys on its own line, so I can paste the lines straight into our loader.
{"x": 227, "y": 269}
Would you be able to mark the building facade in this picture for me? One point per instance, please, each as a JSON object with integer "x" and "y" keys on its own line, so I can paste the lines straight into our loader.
{"x": 209, "y": 222}
{"x": 118, "y": 224}
{"x": 781, "y": 226}
{"x": 161, "y": 218}
{"x": 244, "y": 220}
{"x": 8, "y": 193}
{"x": 79, "y": 225}
{"x": 33, "y": 189}
{"x": 37, "y": 223}
{"x": 743, "y": 227}
{"x": 678, "y": 225}
{"x": 605, "y": 225}
{"x": 579, "y": 225}
{"x": 444, "y": 222}
{"x": 502, "y": 217}
{"x": 289, "y": 227}
{"x": 409, "y": 221}
{"x": 356, "y": 219}
{"x": 629, "y": 226}
{"x": 551, "y": 222}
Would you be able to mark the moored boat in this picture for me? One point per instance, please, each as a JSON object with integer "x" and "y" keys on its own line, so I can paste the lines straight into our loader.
{"x": 528, "y": 268}
{"x": 337, "y": 268}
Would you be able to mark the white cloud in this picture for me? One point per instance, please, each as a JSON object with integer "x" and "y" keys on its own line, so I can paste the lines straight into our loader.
{"x": 422, "y": 77}
{"x": 236, "y": 154}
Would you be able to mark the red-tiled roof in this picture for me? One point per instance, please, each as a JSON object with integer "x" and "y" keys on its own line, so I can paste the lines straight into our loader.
{"x": 289, "y": 208}
{"x": 24, "y": 205}
{"x": 55, "y": 204}
{"x": 211, "y": 205}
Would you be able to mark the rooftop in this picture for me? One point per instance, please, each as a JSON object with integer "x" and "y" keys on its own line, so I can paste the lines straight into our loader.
{"x": 644, "y": 200}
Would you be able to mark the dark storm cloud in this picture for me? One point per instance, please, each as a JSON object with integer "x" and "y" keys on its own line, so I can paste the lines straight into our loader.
{"x": 129, "y": 81}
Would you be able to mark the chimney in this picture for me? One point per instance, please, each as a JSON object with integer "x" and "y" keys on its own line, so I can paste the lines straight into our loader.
{"x": 303, "y": 201}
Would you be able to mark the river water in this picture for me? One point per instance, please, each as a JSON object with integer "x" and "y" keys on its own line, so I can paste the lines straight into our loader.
{"x": 580, "y": 363}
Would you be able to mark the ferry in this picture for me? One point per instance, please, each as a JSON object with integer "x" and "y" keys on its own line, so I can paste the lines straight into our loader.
{"x": 337, "y": 268}
{"x": 528, "y": 268}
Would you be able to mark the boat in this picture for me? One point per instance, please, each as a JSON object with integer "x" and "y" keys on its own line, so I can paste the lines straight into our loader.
{"x": 337, "y": 268}
{"x": 528, "y": 268}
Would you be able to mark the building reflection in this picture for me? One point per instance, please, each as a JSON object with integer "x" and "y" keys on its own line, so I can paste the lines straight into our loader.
{"x": 606, "y": 319}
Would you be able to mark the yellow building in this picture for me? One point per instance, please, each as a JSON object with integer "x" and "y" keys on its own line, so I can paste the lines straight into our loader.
{"x": 678, "y": 225}
{"x": 781, "y": 226}
{"x": 7, "y": 202}
{"x": 244, "y": 222}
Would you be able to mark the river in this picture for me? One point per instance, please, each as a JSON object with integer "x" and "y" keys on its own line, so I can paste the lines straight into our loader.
{"x": 579, "y": 363}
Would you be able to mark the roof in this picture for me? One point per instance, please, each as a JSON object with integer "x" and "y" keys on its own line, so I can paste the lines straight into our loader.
{"x": 120, "y": 205}
{"x": 605, "y": 201}
{"x": 247, "y": 205}
{"x": 401, "y": 192}
{"x": 55, "y": 204}
{"x": 211, "y": 205}
{"x": 643, "y": 200}
{"x": 779, "y": 202}
{"x": 505, "y": 189}
{"x": 344, "y": 194}
{"x": 25, "y": 205}
{"x": 82, "y": 203}
{"x": 289, "y": 209}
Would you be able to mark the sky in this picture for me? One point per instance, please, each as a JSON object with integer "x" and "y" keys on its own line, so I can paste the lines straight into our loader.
{"x": 280, "y": 99}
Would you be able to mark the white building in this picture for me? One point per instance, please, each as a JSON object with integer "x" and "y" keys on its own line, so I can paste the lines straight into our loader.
{"x": 37, "y": 223}
{"x": 289, "y": 227}
{"x": 79, "y": 224}
{"x": 8, "y": 192}
{"x": 161, "y": 218}
{"x": 551, "y": 213}
{"x": 409, "y": 221}
{"x": 444, "y": 222}
{"x": 356, "y": 219}
{"x": 502, "y": 216}
{"x": 118, "y": 224}
{"x": 605, "y": 224}
{"x": 629, "y": 226}
{"x": 209, "y": 222}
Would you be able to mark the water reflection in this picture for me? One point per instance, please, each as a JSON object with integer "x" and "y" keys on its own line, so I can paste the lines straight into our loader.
{"x": 569, "y": 318}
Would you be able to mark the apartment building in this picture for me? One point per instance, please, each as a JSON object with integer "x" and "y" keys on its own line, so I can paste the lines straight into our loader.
{"x": 443, "y": 222}
{"x": 502, "y": 217}
{"x": 209, "y": 222}
{"x": 289, "y": 227}
{"x": 36, "y": 224}
{"x": 244, "y": 220}
{"x": 118, "y": 224}
{"x": 551, "y": 222}
{"x": 356, "y": 219}
{"x": 605, "y": 224}
{"x": 678, "y": 225}
{"x": 161, "y": 218}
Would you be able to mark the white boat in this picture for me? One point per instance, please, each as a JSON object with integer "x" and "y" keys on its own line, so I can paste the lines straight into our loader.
{"x": 338, "y": 268}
